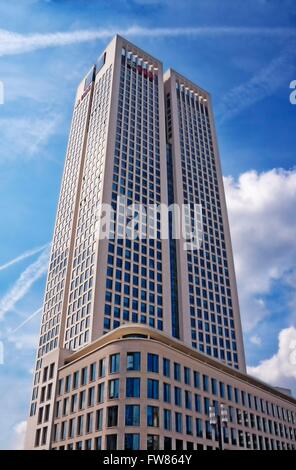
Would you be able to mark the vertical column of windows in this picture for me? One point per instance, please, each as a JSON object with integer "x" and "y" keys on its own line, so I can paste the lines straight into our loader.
{"x": 134, "y": 272}
{"x": 77, "y": 330}
{"x": 211, "y": 313}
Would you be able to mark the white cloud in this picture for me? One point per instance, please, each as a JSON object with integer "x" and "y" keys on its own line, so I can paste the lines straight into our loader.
{"x": 14, "y": 43}
{"x": 263, "y": 225}
{"x": 22, "y": 257}
{"x": 23, "y": 284}
{"x": 19, "y": 435}
{"x": 280, "y": 369}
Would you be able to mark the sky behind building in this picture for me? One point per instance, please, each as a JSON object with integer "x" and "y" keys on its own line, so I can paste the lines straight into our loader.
{"x": 246, "y": 65}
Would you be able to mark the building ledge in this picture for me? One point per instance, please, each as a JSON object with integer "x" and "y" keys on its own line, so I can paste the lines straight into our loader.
{"x": 144, "y": 333}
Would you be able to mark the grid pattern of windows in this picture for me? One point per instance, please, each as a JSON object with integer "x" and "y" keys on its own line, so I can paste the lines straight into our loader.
{"x": 77, "y": 331}
{"x": 253, "y": 422}
{"x": 210, "y": 296}
{"x": 60, "y": 252}
{"x": 60, "y": 247}
{"x": 134, "y": 270}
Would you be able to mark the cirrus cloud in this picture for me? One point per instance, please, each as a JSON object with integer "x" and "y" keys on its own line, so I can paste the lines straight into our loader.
{"x": 15, "y": 43}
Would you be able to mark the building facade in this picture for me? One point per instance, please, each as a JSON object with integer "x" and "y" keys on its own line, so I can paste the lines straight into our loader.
{"x": 141, "y": 338}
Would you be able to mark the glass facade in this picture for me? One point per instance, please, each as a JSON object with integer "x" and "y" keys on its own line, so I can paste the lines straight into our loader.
{"x": 134, "y": 267}
{"x": 265, "y": 424}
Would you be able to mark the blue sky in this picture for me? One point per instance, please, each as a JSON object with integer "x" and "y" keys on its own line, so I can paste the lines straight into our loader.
{"x": 244, "y": 54}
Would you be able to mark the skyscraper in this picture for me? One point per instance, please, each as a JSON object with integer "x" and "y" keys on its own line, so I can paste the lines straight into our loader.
{"x": 209, "y": 318}
{"x": 140, "y": 336}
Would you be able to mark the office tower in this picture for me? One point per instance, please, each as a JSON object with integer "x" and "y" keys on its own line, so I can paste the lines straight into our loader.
{"x": 141, "y": 337}
{"x": 209, "y": 318}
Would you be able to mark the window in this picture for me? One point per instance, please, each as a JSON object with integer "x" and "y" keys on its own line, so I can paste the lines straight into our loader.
{"x": 237, "y": 396}
{"x": 152, "y": 442}
{"x": 189, "y": 425}
{"x": 60, "y": 387}
{"x": 73, "y": 403}
{"x": 167, "y": 420}
{"x": 113, "y": 389}
{"x": 80, "y": 425}
{"x": 99, "y": 420}
{"x": 78, "y": 445}
{"x": 40, "y": 415}
{"x": 187, "y": 376}
{"x": 206, "y": 406}
{"x": 101, "y": 389}
{"x": 205, "y": 381}
{"x": 82, "y": 399}
{"x": 167, "y": 443}
{"x": 178, "y": 422}
{"x": 222, "y": 389}
{"x": 51, "y": 371}
{"x": 166, "y": 367}
{"x": 112, "y": 416}
{"x": 71, "y": 430}
{"x": 153, "y": 389}
{"x": 166, "y": 393}
{"x": 152, "y": 363}
{"x": 133, "y": 387}
{"x": 214, "y": 386}
{"x": 133, "y": 361}
{"x": 92, "y": 372}
{"x": 178, "y": 396}
{"x": 208, "y": 430}
{"x": 75, "y": 379}
{"x": 132, "y": 441}
{"x": 177, "y": 372}
{"x": 197, "y": 403}
{"x": 84, "y": 376}
{"x": 153, "y": 416}
{"x": 132, "y": 415}
{"x": 87, "y": 444}
{"x": 188, "y": 400}
{"x": 48, "y": 394}
{"x": 102, "y": 367}
{"x": 91, "y": 396}
{"x": 46, "y": 413}
{"x": 98, "y": 443}
{"x": 196, "y": 378}
{"x": 89, "y": 422}
{"x": 45, "y": 371}
{"x": 190, "y": 446}
{"x": 179, "y": 444}
{"x": 68, "y": 384}
{"x": 111, "y": 442}
{"x": 199, "y": 427}
{"x": 233, "y": 433}
{"x": 114, "y": 363}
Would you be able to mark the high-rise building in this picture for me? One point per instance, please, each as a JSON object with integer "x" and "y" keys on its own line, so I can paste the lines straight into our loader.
{"x": 208, "y": 317}
{"x": 141, "y": 342}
